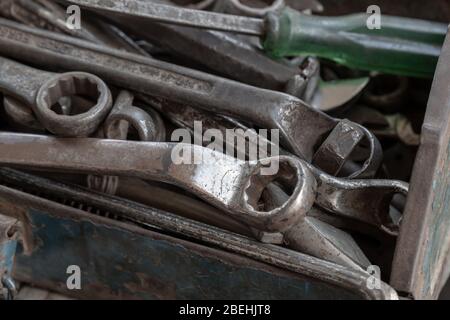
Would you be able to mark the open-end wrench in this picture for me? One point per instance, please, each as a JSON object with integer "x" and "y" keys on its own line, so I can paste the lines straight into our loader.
{"x": 367, "y": 201}
{"x": 230, "y": 184}
{"x": 41, "y": 90}
{"x": 302, "y": 129}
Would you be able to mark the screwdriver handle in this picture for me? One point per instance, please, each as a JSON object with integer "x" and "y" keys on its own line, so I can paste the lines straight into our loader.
{"x": 401, "y": 46}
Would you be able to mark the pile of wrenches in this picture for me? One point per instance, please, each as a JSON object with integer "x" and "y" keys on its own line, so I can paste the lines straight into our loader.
{"x": 99, "y": 106}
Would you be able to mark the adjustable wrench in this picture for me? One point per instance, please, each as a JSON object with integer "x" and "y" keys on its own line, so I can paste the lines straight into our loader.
{"x": 302, "y": 129}
{"x": 41, "y": 90}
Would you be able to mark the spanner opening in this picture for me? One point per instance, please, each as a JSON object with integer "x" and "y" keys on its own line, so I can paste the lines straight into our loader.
{"x": 294, "y": 178}
{"x": 68, "y": 86}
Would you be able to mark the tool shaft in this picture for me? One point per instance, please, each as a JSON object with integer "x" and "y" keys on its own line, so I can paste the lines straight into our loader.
{"x": 173, "y": 15}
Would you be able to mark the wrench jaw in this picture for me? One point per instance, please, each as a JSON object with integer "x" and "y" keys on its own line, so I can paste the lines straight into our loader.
{"x": 67, "y": 85}
{"x": 367, "y": 201}
{"x": 296, "y": 180}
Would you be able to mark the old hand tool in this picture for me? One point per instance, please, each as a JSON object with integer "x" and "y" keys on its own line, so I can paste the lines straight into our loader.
{"x": 42, "y": 90}
{"x": 401, "y": 45}
{"x": 302, "y": 129}
{"x": 236, "y": 186}
{"x": 230, "y": 184}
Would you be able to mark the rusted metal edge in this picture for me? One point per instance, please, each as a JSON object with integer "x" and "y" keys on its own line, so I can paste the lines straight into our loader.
{"x": 421, "y": 261}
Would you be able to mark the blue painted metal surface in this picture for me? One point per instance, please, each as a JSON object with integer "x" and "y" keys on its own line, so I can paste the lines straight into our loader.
{"x": 7, "y": 253}
{"x": 128, "y": 263}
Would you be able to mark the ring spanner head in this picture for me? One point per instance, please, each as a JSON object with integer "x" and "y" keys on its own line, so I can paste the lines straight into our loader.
{"x": 67, "y": 85}
{"x": 291, "y": 175}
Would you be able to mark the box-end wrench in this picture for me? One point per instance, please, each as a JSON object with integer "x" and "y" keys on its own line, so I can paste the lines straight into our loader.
{"x": 41, "y": 90}
{"x": 233, "y": 185}
{"x": 302, "y": 129}
{"x": 230, "y": 184}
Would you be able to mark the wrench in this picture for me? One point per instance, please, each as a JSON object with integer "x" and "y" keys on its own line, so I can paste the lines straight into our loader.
{"x": 41, "y": 90}
{"x": 329, "y": 243}
{"x": 340, "y": 196}
{"x": 229, "y": 184}
{"x": 233, "y": 185}
{"x": 302, "y": 128}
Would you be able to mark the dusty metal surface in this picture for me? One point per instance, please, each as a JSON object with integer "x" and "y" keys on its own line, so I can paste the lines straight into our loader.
{"x": 421, "y": 264}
